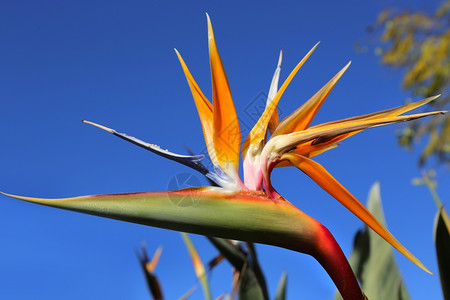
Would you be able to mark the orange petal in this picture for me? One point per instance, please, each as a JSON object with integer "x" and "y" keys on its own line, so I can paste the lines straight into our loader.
{"x": 258, "y": 133}
{"x": 392, "y": 112}
{"x": 326, "y": 181}
{"x": 326, "y": 139}
{"x": 302, "y": 117}
{"x": 204, "y": 109}
{"x": 332, "y": 132}
{"x": 227, "y": 134}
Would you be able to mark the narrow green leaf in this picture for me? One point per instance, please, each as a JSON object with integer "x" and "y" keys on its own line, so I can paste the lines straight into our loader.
{"x": 281, "y": 290}
{"x": 257, "y": 269}
{"x": 198, "y": 266}
{"x": 232, "y": 253}
{"x": 442, "y": 242}
{"x": 250, "y": 286}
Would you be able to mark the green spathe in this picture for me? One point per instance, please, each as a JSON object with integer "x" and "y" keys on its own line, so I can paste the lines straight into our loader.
{"x": 247, "y": 215}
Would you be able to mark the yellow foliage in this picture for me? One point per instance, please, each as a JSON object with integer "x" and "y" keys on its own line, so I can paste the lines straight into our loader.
{"x": 419, "y": 43}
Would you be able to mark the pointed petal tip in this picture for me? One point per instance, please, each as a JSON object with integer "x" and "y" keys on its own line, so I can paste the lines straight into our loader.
{"x": 151, "y": 266}
{"x": 343, "y": 70}
{"x": 428, "y": 271}
{"x": 417, "y": 104}
{"x": 178, "y": 55}
{"x": 28, "y": 199}
{"x": 280, "y": 58}
{"x": 312, "y": 50}
{"x": 99, "y": 126}
{"x": 434, "y": 97}
{"x": 210, "y": 30}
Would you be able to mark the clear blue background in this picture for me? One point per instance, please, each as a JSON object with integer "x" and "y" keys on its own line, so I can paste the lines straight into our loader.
{"x": 113, "y": 62}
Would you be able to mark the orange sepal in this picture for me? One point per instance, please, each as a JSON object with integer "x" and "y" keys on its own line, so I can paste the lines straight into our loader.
{"x": 326, "y": 181}
{"x": 302, "y": 117}
{"x": 204, "y": 109}
{"x": 227, "y": 134}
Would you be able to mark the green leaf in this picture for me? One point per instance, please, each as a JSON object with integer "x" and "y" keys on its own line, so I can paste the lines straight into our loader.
{"x": 442, "y": 241}
{"x": 232, "y": 253}
{"x": 257, "y": 269}
{"x": 250, "y": 286}
{"x": 198, "y": 266}
{"x": 281, "y": 290}
{"x": 373, "y": 260}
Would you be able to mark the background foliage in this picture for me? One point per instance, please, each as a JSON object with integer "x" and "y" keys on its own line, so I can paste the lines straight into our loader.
{"x": 419, "y": 44}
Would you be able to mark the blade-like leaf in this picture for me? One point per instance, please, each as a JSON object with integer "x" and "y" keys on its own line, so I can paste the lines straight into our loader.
{"x": 252, "y": 282}
{"x": 232, "y": 253}
{"x": 281, "y": 290}
{"x": 257, "y": 269}
{"x": 199, "y": 268}
{"x": 249, "y": 288}
{"x": 245, "y": 216}
{"x": 442, "y": 241}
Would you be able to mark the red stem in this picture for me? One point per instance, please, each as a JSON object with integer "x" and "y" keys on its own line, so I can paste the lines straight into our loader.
{"x": 330, "y": 256}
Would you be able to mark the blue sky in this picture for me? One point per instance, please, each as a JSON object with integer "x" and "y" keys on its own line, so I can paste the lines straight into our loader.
{"x": 112, "y": 62}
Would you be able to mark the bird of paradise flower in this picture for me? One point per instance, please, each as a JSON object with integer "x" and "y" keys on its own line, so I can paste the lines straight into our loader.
{"x": 251, "y": 209}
